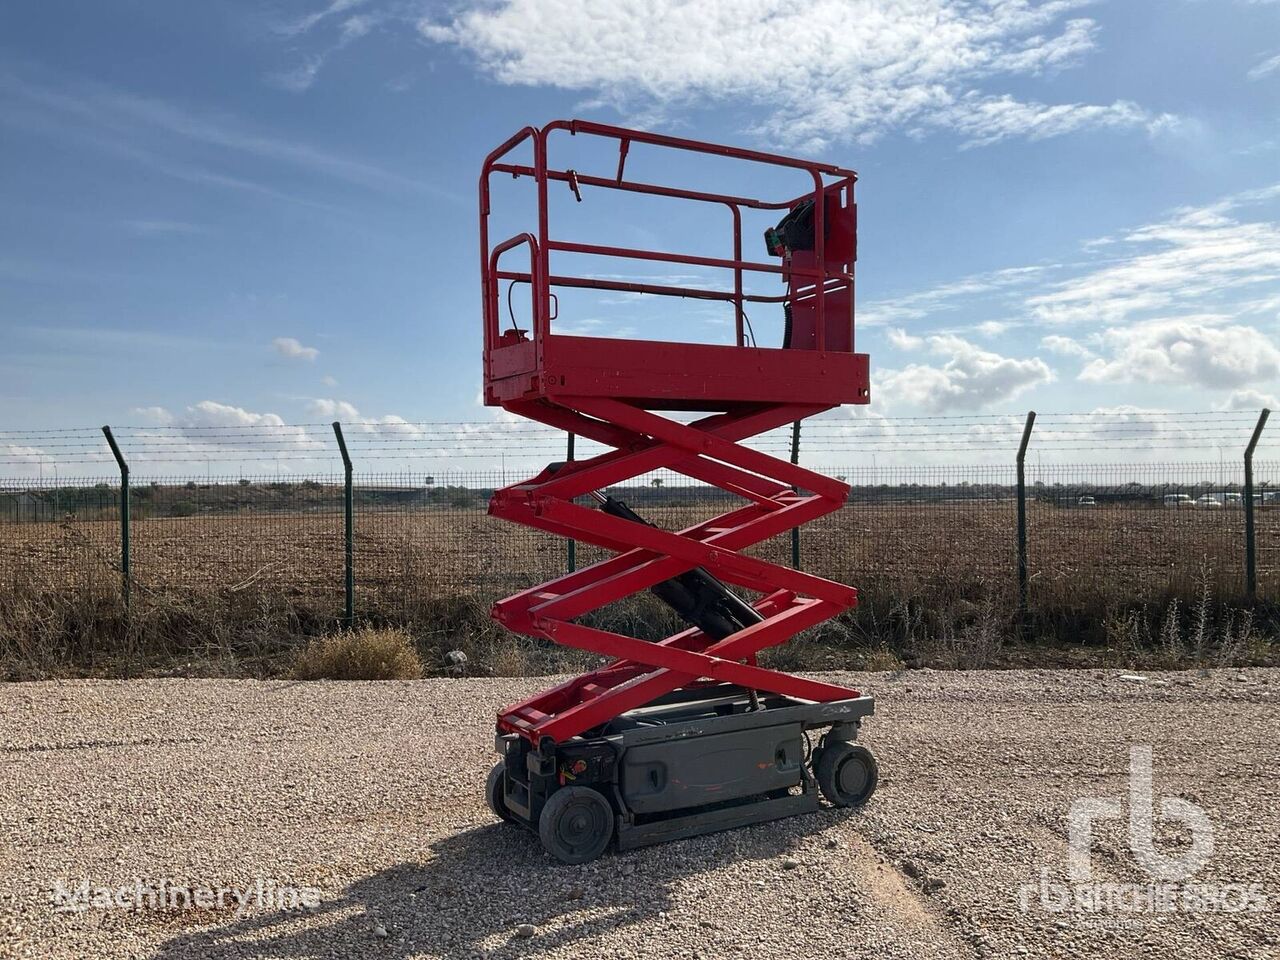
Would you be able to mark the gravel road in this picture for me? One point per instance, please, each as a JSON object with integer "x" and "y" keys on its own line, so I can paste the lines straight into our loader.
{"x": 371, "y": 792}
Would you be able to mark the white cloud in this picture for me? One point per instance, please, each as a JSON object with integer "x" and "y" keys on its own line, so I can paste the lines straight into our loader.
{"x": 125, "y": 119}
{"x": 1250, "y": 400}
{"x": 992, "y": 328}
{"x": 1065, "y": 346}
{"x": 222, "y": 433}
{"x": 304, "y": 24}
{"x": 395, "y": 426}
{"x": 1194, "y": 256}
{"x": 329, "y": 381}
{"x": 987, "y": 120}
{"x": 293, "y": 349}
{"x": 1186, "y": 352}
{"x": 948, "y": 296}
{"x": 972, "y": 378}
{"x": 1221, "y": 258}
{"x": 301, "y": 77}
{"x": 211, "y": 413}
{"x": 903, "y": 340}
{"x": 338, "y": 409}
{"x": 1265, "y": 68}
{"x": 353, "y": 28}
{"x": 595, "y": 327}
{"x": 826, "y": 70}
{"x": 20, "y": 458}
{"x": 158, "y": 415}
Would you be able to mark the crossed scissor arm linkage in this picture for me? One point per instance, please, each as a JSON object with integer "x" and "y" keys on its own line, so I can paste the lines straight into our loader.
{"x": 708, "y": 450}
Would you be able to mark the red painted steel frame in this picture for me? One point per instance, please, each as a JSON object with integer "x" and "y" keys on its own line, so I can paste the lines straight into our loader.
{"x": 590, "y": 387}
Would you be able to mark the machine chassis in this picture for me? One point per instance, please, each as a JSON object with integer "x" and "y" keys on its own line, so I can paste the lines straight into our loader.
{"x": 738, "y": 789}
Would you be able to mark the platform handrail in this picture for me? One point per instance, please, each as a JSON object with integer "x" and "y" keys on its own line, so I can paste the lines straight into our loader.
{"x": 695, "y": 146}
{"x": 663, "y": 289}
{"x": 821, "y": 280}
{"x": 491, "y": 305}
{"x": 628, "y": 253}
{"x": 627, "y": 137}
{"x": 494, "y": 156}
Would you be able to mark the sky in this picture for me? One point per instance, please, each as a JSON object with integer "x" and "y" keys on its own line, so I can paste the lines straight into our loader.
{"x": 222, "y": 215}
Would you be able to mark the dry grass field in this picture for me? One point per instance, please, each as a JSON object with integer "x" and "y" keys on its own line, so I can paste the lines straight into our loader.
{"x": 223, "y": 578}
{"x": 1130, "y": 551}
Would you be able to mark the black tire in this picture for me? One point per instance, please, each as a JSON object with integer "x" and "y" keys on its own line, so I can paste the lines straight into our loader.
{"x": 576, "y": 824}
{"x": 494, "y": 789}
{"x": 847, "y": 774}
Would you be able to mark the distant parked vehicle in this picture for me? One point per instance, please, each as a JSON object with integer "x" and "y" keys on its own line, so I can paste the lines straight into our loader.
{"x": 1178, "y": 500}
{"x": 1232, "y": 500}
{"x": 1208, "y": 502}
{"x": 1086, "y": 502}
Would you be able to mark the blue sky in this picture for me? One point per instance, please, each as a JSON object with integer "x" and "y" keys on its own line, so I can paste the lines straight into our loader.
{"x": 217, "y": 213}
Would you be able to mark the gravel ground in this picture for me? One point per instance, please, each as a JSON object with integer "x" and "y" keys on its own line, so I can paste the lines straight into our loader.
{"x": 371, "y": 792}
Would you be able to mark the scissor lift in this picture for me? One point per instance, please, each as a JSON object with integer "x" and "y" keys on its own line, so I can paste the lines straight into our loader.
{"x": 688, "y": 734}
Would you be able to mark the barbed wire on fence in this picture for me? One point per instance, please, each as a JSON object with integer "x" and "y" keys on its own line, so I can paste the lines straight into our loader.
{"x": 299, "y": 448}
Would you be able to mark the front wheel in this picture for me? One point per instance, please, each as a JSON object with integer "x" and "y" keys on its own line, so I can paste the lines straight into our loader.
{"x": 847, "y": 774}
{"x": 576, "y": 824}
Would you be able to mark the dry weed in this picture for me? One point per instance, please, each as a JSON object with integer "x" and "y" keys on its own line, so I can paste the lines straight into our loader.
{"x": 370, "y": 653}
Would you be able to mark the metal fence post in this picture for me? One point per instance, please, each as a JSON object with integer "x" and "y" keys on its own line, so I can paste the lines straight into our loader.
{"x": 571, "y": 559}
{"x": 1024, "y": 600}
{"x": 124, "y": 517}
{"x": 348, "y": 503}
{"x": 795, "y": 531}
{"x": 1250, "y": 541}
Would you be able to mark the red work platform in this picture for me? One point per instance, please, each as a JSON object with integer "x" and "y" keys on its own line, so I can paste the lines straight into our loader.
{"x": 608, "y": 390}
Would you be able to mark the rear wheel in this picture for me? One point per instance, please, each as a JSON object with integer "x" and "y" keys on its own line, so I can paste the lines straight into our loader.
{"x": 847, "y": 774}
{"x": 576, "y": 824}
{"x": 494, "y": 790}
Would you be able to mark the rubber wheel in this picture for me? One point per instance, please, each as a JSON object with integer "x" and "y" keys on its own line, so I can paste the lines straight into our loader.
{"x": 576, "y": 824}
{"x": 493, "y": 791}
{"x": 847, "y": 774}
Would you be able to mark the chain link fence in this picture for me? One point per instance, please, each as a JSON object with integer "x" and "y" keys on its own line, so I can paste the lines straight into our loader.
{"x": 223, "y": 553}
{"x": 1101, "y": 533}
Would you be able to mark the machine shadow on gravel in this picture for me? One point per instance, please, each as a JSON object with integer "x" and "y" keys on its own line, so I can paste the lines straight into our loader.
{"x": 481, "y": 885}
